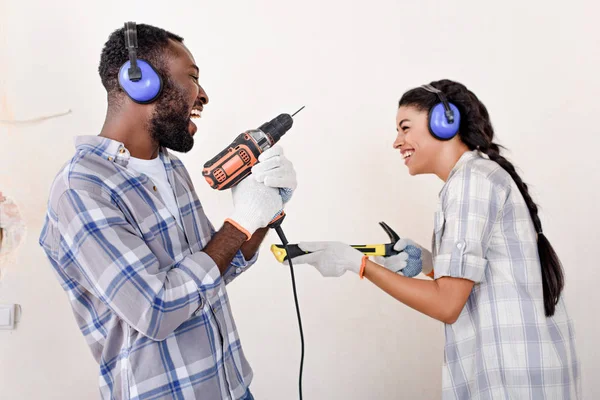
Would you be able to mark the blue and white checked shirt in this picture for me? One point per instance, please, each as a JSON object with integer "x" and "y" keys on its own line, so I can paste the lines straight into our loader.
{"x": 502, "y": 346}
{"x": 151, "y": 305}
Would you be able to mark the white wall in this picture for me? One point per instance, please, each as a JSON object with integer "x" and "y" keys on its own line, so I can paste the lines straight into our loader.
{"x": 534, "y": 64}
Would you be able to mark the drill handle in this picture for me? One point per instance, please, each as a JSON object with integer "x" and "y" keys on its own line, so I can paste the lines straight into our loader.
{"x": 276, "y": 222}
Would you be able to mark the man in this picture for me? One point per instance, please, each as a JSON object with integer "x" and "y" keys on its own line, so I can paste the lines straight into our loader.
{"x": 127, "y": 236}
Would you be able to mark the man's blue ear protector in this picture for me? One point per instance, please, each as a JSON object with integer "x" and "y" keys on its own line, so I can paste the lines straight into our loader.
{"x": 444, "y": 117}
{"x": 138, "y": 78}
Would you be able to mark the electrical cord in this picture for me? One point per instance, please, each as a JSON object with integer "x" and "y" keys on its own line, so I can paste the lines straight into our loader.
{"x": 285, "y": 245}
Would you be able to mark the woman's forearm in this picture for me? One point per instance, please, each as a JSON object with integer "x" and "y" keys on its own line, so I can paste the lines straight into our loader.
{"x": 442, "y": 299}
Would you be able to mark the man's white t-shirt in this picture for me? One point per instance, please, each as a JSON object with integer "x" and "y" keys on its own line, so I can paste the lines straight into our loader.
{"x": 155, "y": 170}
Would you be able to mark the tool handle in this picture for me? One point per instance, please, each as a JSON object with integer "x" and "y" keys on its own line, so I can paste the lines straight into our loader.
{"x": 369, "y": 250}
{"x": 282, "y": 255}
{"x": 372, "y": 249}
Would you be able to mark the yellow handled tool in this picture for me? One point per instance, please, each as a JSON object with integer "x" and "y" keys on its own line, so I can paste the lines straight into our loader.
{"x": 385, "y": 250}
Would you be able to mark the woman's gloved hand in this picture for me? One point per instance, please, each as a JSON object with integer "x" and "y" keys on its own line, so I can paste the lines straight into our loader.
{"x": 412, "y": 259}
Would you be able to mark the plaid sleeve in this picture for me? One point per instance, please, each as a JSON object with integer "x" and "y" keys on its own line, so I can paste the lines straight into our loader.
{"x": 106, "y": 256}
{"x": 470, "y": 206}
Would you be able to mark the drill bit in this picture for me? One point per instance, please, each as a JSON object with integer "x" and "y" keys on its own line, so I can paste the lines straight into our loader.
{"x": 302, "y": 108}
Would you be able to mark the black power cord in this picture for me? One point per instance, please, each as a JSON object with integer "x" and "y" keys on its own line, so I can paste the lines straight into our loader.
{"x": 285, "y": 245}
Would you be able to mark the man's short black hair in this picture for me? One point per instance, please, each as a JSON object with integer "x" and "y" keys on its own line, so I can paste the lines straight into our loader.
{"x": 152, "y": 46}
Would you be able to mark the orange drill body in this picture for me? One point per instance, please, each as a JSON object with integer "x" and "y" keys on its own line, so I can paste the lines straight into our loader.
{"x": 235, "y": 162}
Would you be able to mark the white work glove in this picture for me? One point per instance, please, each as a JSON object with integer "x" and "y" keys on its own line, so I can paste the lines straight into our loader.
{"x": 255, "y": 205}
{"x": 332, "y": 259}
{"x": 411, "y": 255}
{"x": 276, "y": 171}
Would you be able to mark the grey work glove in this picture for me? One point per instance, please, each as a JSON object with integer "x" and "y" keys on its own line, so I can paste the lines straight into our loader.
{"x": 411, "y": 260}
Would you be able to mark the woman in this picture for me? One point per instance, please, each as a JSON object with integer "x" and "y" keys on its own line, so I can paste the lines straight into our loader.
{"x": 497, "y": 281}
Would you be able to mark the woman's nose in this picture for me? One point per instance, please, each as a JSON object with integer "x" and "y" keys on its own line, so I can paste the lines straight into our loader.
{"x": 399, "y": 140}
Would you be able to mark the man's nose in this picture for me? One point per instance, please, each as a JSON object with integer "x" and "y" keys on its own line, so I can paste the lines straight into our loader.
{"x": 203, "y": 96}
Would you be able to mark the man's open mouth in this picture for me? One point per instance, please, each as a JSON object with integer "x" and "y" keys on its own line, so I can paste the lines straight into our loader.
{"x": 196, "y": 113}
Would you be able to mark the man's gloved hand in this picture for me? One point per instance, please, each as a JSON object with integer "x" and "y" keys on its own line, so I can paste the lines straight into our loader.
{"x": 255, "y": 205}
{"x": 332, "y": 259}
{"x": 276, "y": 171}
{"x": 412, "y": 256}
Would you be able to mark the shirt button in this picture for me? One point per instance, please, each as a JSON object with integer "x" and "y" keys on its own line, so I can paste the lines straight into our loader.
{"x": 154, "y": 187}
{"x": 238, "y": 270}
{"x": 122, "y": 150}
{"x": 109, "y": 158}
{"x": 459, "y": 245}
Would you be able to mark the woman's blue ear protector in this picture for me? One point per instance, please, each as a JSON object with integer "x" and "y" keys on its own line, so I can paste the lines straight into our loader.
{"x": 444, "y": 117}
{"x": 138, "y": 78}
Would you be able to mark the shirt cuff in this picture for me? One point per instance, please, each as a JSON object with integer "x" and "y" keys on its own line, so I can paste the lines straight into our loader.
{"x": 240, "y": 261}
{"x": 461, "y": 263}
{"x": 238, "y": 266}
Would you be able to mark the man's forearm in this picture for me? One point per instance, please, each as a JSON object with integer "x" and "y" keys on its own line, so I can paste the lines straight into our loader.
{"x": 250, "y": 248}
{"x": 224, "y": 245}
{"x": 228, "y": 240}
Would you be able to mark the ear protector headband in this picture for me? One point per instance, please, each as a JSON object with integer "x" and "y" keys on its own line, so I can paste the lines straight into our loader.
{"x": 444, "y": 117}
{"x": 138, "y": 78}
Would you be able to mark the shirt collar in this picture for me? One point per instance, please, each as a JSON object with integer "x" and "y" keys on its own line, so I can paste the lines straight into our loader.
{"x": 111, "y": 150}
{"x": 467, "y": 155}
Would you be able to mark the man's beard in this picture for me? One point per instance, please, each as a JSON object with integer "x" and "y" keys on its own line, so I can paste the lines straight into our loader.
{"x": 170, "y": 120}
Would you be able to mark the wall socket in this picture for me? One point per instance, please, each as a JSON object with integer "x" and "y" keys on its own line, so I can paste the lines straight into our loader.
{"x": 8, "y": 313}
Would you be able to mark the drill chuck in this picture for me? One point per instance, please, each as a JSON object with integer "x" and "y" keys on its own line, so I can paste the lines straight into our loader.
{"x": 277, "y": 127}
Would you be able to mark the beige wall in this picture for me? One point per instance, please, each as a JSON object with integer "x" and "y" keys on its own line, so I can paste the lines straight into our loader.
{"x": 534, "y": 64}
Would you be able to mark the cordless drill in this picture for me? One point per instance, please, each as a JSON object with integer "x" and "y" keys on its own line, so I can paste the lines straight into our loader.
{"x": 235, "y": 162}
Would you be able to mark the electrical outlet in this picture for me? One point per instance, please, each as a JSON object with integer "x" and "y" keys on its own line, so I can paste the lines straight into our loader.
{"x": 7, "y": 316}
